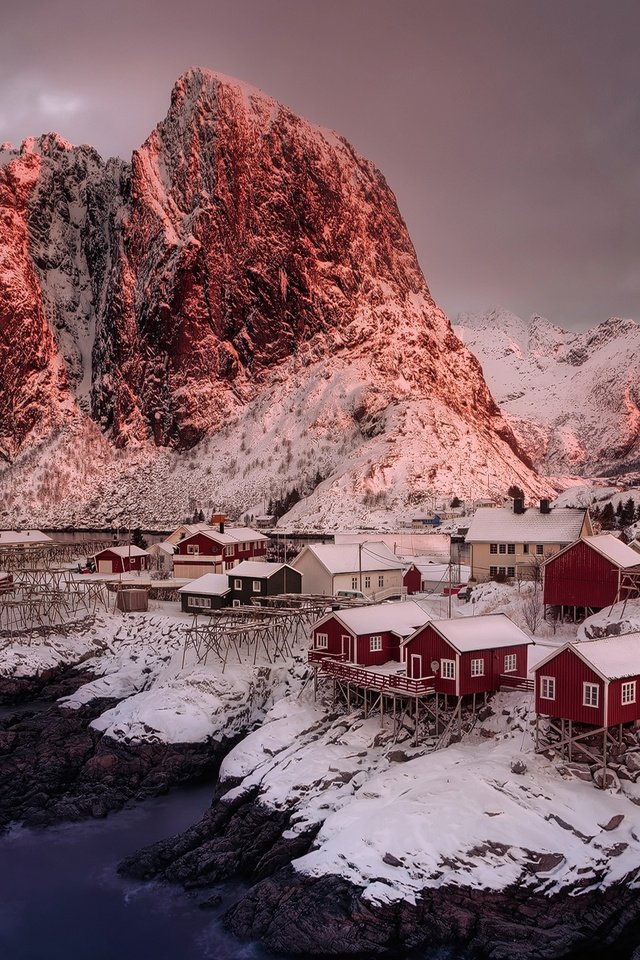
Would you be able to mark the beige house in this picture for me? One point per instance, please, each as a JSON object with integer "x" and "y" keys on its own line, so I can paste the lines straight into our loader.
{"x": 370, "y": 568}
{"x": 512, "y": 543}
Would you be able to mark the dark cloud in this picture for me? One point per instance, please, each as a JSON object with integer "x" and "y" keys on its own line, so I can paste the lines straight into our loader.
{"x": 509, "y": 130}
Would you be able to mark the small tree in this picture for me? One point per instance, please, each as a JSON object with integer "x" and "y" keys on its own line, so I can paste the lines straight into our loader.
{"x": 608, "y": 518}
{"x": 532, "y": 611}
{"x": 455, "y": 502}
{"x": 137, "y": 539}
{"x": 515, "y": 492}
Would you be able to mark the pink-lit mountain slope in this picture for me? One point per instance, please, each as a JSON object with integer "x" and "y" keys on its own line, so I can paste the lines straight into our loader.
{"x": 248, "y": 276}
{"x": 572, "y": 397}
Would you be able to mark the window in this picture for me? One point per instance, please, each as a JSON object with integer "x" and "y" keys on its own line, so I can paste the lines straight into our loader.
{"x": 493, "y": 548}
{"x": 590, "y": 694}
{"x": 237, "y": 584}
{"x": 629, "y": 692}
{"x": 257, "y": 586}
{"x": 525, "y": 548}
{"x": 367, "y": 582}
{"x": 322, "y": 641}
{"x": 511, "y": 548}
{"x": 493, "y": 571}
{"x": 193, "y": 548}
{"x": 448, "y": 669}
{"x": 203, "y": 602}
{"x": 539, "y": 549}
{"x": 236, "y": 603}
{"x": 502, "y": 548}
{"x": 228, "y": 551}
{"x": 511, "y": 571}
{"x": 477, "y": 667}
{"x": 510, "y": 663}
{"x": 548, "y": 688}
{"x": 381, "y": 581}
{"x": 354, "y": 583}
{"x": 229, "y": 564}
{"x": 502, "y": 571}
{"x": 375, "y": 643}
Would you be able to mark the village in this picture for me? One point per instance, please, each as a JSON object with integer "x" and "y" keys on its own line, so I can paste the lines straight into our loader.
{"x": 396, "y": 625}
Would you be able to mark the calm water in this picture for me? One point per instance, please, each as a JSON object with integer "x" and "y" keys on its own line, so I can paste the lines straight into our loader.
{"x": 60, "y": 895}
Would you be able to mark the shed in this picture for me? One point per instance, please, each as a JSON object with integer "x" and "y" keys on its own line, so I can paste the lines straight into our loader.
{"x": 590, "y": 573}
{"x": 369, "y": 636}
{"x": 209, "y": 592}
{"x": 412, "y": 579}
{"x": 122, "y": 559}
{"x": 592, "y": 681}
{"x": 255, "y": 579}
{"x": 469, "y": 654}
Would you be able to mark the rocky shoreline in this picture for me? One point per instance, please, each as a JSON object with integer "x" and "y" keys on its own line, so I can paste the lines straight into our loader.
{"x": 289, "y": 912}
{"x": 55, "y": 767}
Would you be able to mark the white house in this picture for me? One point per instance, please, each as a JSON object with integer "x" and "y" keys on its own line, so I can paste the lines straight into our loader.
{"x": 370, "y": 568}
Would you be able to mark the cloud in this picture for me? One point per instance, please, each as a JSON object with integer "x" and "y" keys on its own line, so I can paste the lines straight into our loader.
{"x": 57, "y": 103}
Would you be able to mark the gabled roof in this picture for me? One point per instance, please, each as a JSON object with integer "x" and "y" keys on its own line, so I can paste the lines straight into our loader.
{"x": 402, "y": 618}
{"x": 230, "y": 536}
{"x": 608, "y": 546}
{"x": 501, "y": 524}
{"x": 128, "y": 550}
{"x": 258, "y": 569}
{"x": 353, "y": 557}
{"x": 210, "y": 585}
{"x": 15, "y": 538}
{"x": 486, "y": 632}
{"x": 165, "y": 546}
{"x": 612, "y": 658}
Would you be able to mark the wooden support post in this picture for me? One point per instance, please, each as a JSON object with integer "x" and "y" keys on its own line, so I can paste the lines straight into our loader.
{"x": 620, "y": 735}
{"x": 381, "y": 709}
{"x": 537, "y": 732}
{"x": 485, "y": 698}
{"x": 604, "y": 759}
{"x": 415, "y": 736}
{"x": 348, "y": 698}
{"x": 315, "y": 684}
{"x": 459, "y": 709}
{"x": 334, "y": 691}
{"x": 365, "y": 703}
{"x": 570, "y": 744}
{"x": 437, "y": 716}
{"x": 473, "y": 707}
{"x": 562, "y": 735}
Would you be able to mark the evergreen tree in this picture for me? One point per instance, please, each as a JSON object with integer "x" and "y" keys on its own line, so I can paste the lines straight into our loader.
{"x": 200, "y": 516}
{"x": 137, "y": 539}
{"x": 455, "y": 502}
{"x": 516, "y": 492}
{"x": 608, "y": 518}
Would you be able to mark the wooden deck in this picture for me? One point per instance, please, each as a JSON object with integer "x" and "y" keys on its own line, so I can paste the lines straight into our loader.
{"x": 384, "y": 681}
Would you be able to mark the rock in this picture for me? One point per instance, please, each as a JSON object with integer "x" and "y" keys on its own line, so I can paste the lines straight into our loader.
{"x": 579, "y": 771}
{"x": 391, "y": 860}
{"x": 611, "y": 782}
{"x": 632, "y": 761}
{"x": 518, "y": 767}
{"x": 614, "y": 822}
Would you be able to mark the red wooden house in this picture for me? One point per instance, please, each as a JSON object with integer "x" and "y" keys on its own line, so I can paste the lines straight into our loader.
{"x": 468, "y": 655}
{"x": 591, "y": 573}
{"x": 367, "y": 636}
{"x": 122, "y": 559}
{"x": 593, "y": 681}
{"x": 412, "y": 579}
{"x": 217, "y": 549}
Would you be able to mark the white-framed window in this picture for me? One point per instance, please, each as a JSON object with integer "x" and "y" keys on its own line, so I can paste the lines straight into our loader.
{"x": 375, "y": 643}
{"x": 493, "y": 571}
{"x": 354, "y": 583}
{"x": 510, "y": 662}
{"x": 590, "y": 694}
{"x": 493, "y": 548}
{"x": 511, "y": 571}
{"x": 525, "y": 548}
{"x": 367, "y": 582}
{"x": 229, "y": 564}
{"x": 539, "y": 549}
{"x": 193, "y": 549}
{"x": 322, "y": 641}
{"x": 502, "y": 548}
{"x": 381, "y": 581}
{"x": 511, "y": 548}
{"x": 628, "y": 694}
{"x": 236, "y": 603}
{"x": 477, "y": 667}
{"x": 448, "y": 669}
{"x": 257, "y": 586}
{"x": 237, "y": 584}
{"x": 228, "y": 551}
{"x": 548, "y": 688}
{"x": 502, "y": 571}
{"x": 203, "y": 602}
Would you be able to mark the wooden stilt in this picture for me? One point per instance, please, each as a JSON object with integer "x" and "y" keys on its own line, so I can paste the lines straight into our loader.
{"x": 485, "y": 698}
{"x": 604, "y": 758}
{"x": 473, "y": 708}
{"x": 365, "y": 703}
{"x": 349, "y": 698}
{"x": 415, "y": 736}
{"x": 437, "y": 716}
{"x": 537, "y": 732}
{"x": 459, "y": 709}
{"x": 382, "y": 710}
{"x": 315, "y": 684}
{"x": 570, "y": 744}
{"x": 562, "y": 742}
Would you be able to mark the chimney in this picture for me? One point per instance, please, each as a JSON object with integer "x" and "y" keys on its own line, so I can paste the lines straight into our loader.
{"x": 544, "y": 506}
{"x": 518, "y": 505}
{"x": 221, "y": 526}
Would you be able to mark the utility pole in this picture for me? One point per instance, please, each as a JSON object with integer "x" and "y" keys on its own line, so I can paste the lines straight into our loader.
{"x": 450, "y": 586}
{"x": 360, "y": 564}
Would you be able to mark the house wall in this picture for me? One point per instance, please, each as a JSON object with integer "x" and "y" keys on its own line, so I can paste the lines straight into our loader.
{"x": 391, "y": 581}
{"x": 229, "y": 555}
{"x": 412, "y": 580}
{"x": 216, "y": 602}
{"x": 335, "y": 632}
{"x": 581, "y": 577}
{"x": 374, "y": 658}
{"x": 524, "y": 564}
{"x": 185, "y": 570}
{"x": 269, "y": 586}
{"x": 617, "y": 711}
{"x": 431, "y": 646}
{"x": 119, "y": 564}
{"x": 570, "y": 672}
{"x": 493, "y": 668}
{"x": 316, "y": 578}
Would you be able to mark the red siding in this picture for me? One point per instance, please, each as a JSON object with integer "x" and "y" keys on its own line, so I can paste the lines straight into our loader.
{"x": 430, "y": 646}
{"x": 373, "y": 658}
{"x": 580, "y": 577}
{"x": 334, "y": 631}
{"x": 361, "y": 654}
{"x": 412, "y": 579}
{"x": 617, "y": 711}
{"x": 122, "y": 564}
{"x": 570, "y": 673}
{"x": 209, "y": 547}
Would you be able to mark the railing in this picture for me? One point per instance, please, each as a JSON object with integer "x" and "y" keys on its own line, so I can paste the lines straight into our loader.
{"x": 319, "y": 656}
{"x": 516, "y": 683}
{"x": 384, "y": 682}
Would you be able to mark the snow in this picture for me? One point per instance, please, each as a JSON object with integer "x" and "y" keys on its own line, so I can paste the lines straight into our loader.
{"x": 481, "y": 633}
{"x": 612, "y": 657}
{"x": 348, "y": 557}
{"x": 129, "y": 550}
{"x": 493, "y": 524}
{"x": 402, "y": 618}
{"x": 259, "y": 569}
{"x": 613, "y": 549}
{"x": 209, "y": 585}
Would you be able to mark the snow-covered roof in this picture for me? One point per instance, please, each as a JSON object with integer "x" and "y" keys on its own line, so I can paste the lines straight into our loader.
{"x": 614, "y": 549}
{"x": 486, "y": 632}
{"x": 501, "y": 524}
{"x": 258, "y": 569}
{"x": 128, "y": 550}
{"x": 210, "y": 585}
{"x": 352, "y": 557}
{"x": 403, "y": 617}
{"x": 165, "y": 546}
{"x": 13, "y": 538}
{"x": 610, "y": 657}
{"x": 230, "y": 535}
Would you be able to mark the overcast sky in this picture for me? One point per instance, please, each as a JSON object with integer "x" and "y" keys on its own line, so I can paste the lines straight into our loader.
{"x": 508, "y": 129}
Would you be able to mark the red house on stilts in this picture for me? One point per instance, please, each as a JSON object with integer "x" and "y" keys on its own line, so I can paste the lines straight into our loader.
{"x": 591, "y": 573}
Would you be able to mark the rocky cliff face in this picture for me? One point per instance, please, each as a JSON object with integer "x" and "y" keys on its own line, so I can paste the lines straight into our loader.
{"x": 574, "y": 394}
{"x": 244, "y": 254}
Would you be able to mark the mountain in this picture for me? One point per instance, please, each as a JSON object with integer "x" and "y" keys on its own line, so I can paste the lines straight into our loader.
{"x": 571, "y": 397}
{"x": 237, "y": 312}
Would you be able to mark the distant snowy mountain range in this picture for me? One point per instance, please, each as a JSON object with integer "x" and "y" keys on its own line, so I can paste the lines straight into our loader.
{"x": 571, "y": 397}
{"x": 237, "y": 312}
